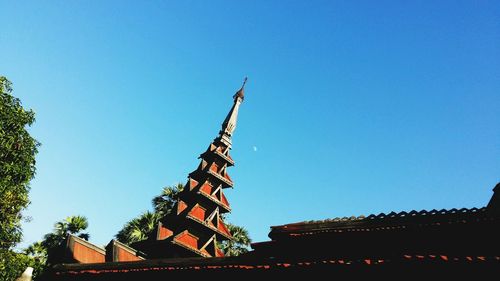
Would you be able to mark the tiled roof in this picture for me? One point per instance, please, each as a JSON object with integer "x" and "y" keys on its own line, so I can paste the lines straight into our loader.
{"x": 382, "y": 221}
{"x": 394, "y": 215}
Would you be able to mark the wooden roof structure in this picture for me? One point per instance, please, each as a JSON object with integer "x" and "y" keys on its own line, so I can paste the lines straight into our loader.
{"x": 420, "y": 244}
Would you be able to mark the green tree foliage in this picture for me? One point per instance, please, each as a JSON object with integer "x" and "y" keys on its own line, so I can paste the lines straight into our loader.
{"x": 13, "y": 264}
{"x": 71, "y": 225}
{"x": 240, "y": 242}
{"x": 17, "y": 164}
{"x": 164, "y": 203}
{"x": 17, "y": 168}
{"x": 36, "y": 254}
{"x": 139, "y": 228}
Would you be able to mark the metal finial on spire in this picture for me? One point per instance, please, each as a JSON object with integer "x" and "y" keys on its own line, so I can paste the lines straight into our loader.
{"x": 241, "y": 91}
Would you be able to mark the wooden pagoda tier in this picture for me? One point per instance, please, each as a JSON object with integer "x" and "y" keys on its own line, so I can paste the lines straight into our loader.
{"x": 195, "y": 225}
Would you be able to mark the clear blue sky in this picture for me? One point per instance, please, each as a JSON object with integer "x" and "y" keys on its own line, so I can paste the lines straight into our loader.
{"x": 353, "y": 107}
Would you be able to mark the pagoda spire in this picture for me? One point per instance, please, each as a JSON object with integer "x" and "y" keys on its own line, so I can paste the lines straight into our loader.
{"x": 195, "y": 226}
{"x": 229, "y": 124}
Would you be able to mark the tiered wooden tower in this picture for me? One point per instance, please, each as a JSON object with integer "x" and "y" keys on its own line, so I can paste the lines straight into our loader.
{"x": 195, "y": 226}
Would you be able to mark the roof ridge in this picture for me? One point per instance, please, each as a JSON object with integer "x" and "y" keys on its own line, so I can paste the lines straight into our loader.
{"x": 392, "y": 214}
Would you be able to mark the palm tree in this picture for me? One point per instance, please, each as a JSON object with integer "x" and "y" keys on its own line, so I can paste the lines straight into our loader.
{"x": 139, "y": 228}
{"x": 240, "y": 242}
{"x": 71, "y": 225}
{"x": 165, "y": 202}
{"x": 37, "y": 251}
